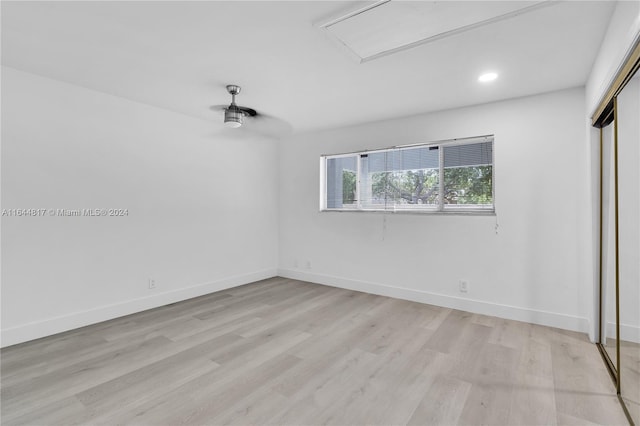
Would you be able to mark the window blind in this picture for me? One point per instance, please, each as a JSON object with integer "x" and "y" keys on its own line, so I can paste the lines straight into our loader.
{"x": 477, "y": 154}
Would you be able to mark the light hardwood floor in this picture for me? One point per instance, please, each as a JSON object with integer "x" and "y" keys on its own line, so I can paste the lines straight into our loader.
{"x": 281, "y": 351}
{"x": 630, "y": 377}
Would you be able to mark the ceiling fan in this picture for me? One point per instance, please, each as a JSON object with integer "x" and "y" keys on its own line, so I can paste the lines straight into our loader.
{"x": 235, "y": 115}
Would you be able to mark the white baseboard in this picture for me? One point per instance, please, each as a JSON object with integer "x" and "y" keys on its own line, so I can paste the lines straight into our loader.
{"x": 37, "y": 329}
{"x": 628, "y": 332}
{"x": 551, "y": 319}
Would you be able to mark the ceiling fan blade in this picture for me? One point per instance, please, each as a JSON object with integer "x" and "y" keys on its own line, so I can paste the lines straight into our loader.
{"x": 268, "y": 126}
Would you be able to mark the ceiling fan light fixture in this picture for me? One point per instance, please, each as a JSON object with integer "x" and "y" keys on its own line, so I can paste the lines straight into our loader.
{"x": 233, "y": 117}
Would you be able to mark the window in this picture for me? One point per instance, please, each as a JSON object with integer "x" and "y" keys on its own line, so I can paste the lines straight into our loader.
{"x": 449, "y": 176}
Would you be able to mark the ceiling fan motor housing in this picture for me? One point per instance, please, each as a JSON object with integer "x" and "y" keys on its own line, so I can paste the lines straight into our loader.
{"x": 233, "y": 89}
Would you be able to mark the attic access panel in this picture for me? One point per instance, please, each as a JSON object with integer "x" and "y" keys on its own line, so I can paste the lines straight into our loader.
{"x": 386, "y": 26}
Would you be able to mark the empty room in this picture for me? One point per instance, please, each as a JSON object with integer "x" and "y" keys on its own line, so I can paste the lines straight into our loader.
{"x": 320, "y": 212}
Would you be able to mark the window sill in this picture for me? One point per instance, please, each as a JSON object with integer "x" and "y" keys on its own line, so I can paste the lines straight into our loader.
{"x": 448, "y": 212}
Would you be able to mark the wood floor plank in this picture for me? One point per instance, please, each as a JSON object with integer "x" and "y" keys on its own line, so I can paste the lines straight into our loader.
{"x": 630, "y": 377}
{"x": 68, "y": 381}
{"x": 320, "y": 357}
{"x": 203, "y": 399}
{"x": 290, "y": 311}
{"x": 533, "y": 397}
{"x": 512, "y": 334}
{"x": 533, "y": 401}
{"x": 394, "y": 388}
{"x": 253, "y": 409}
{"x": 162, "y": 374}
{"x": 448, "y": 333}
{"x": 16, "y": 359}
{"x": 59, "y": 412}
{"x": 286, "y": 352}
{"x": 443, "y": 402}
{"x": 492, "y": 386}
{"x": 583, "y": 389}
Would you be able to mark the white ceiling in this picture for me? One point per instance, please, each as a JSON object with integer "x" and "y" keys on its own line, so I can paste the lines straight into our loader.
{"x": 180, "y": 55}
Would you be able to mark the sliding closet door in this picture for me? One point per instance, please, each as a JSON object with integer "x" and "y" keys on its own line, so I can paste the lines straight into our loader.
{"x": 608, "y": 335}
{"x": 628, "y": 116}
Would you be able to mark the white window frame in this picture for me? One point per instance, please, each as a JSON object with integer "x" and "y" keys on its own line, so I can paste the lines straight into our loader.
{"x": 441, "y": 208}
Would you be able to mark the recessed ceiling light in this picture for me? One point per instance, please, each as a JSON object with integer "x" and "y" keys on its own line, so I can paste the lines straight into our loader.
{"x": 485, "y": 78}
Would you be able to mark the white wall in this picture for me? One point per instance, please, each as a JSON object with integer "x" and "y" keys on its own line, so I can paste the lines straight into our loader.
{"x": 528, "y": 270}
{"x": 202, "y": 209}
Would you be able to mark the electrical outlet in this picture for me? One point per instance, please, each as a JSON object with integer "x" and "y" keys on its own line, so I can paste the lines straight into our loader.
{"x": 463, "y": 286}
{"x": 152, "y": 283}
{"x": 308, "y": 264}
